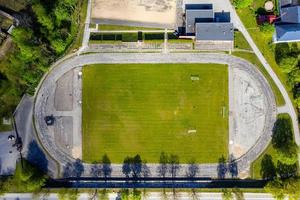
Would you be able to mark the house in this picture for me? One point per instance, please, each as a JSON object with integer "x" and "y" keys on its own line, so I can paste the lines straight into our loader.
{"x": 211, "y": 31}
{"x": 287, "y": 29}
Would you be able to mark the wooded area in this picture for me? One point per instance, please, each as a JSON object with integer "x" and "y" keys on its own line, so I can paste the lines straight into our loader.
{"x": 47, "y": 28}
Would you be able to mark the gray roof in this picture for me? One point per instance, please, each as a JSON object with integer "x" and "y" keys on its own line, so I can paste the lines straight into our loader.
{"x": 289, "y": 2}
{"x": 290, "y": 14}
{"x": 197, "y": 13}
{"x": 287, "y": 32}
{"x": 193, "y": 16}
{"x": 214, "y": 31}
{"x": 286, "y": 2}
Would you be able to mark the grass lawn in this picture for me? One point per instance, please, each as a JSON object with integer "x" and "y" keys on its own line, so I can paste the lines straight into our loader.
{"x": 148, "y": 108}
{"x": 240, "y": 41}
{"x": 251, "y": 57}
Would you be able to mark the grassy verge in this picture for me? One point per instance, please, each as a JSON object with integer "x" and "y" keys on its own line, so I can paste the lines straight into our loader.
{"x": 251, "y": 57}
{"x": 240, "y": 42}
{"x": 142, "y": 110}
{"x": 78, "y": 39}
{"x": 5, "y": 127}
{"x": 110, "y": 27}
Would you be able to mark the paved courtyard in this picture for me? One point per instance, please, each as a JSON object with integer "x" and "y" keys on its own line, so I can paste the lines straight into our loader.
{"x": 251, "y": 103}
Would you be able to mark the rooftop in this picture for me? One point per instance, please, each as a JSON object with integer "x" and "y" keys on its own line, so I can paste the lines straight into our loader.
{"x": 214, "y": 31}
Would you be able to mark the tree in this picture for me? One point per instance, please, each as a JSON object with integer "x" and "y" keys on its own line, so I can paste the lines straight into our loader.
{"x": 283, "y": 141}
{"x": 286, "y": 171}
{"x": 267, "y": 28}
{"x": 288, "y": 64}
{"x": 242, "y": 3}
{"x": 227, "y": 194}
{"x": 275, "y": 187}
{"x": 268, "y": 169}
{"x": 68, "y": 194}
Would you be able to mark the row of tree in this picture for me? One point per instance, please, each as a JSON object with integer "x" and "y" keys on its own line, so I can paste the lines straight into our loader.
{"x": 287, "y": 57}
{"x": 27, "y": 178}
{"x": 283, "y": 177}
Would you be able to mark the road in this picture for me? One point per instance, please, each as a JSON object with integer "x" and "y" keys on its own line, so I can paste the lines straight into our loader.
{"x": 87, "y": 59}
{"x": 146, "y": 196}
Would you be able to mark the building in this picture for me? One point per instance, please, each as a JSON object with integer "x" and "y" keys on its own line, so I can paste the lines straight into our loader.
{"x": 209, "y": 29}
{"x": 287, "y": 29}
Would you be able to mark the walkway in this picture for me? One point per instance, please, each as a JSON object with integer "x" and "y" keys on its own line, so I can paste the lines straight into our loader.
{"x": 87, "y": 59}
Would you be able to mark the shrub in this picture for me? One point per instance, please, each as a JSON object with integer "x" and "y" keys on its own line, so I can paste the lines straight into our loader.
{"x": 242, "y": 3}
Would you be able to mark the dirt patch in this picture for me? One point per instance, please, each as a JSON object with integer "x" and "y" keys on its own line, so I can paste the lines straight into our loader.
{"x": 146, "y": 12}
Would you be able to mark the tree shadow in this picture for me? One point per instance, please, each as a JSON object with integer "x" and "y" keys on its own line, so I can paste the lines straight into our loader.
{"x": 174, "y": 166}
{"x": 192, "y": 170}
{"x": 96, "y": 170}
{"x": 232, "y": 167}
{"x": 268, "y": 169}
{"x": 132, "y": 166}
{"x": 106, "y": 166}
{"x": 222, "y": 168}
{"x": 145, "y": 170}
{"x": 126, "y": 169}
{"x": 162, "y": 169}
{"x": 36, "y": 156}
{"x": 74, "y": 169}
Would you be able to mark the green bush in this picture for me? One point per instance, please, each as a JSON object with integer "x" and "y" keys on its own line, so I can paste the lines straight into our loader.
{"x": 267, "y": 28}
{"x": 154, "y": 36}
{"x": 130, "y": 37}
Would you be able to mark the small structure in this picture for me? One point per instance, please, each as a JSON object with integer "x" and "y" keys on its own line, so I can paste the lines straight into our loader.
{"x": 269, "y": 6}
{"x": 288, "y": 27}
{"x": 211, "y": 31}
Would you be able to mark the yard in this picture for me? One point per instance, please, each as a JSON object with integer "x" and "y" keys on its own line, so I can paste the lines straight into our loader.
{"x": 262, "y": 40}
{"x": 149, "y": 108}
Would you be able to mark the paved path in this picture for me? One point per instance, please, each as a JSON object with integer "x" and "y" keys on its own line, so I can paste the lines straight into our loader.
{"x": 82, "y": 60}
{"x": 86, "y": 33}
{"x": 147, "y": 196}
{"x": 289, "y": 105}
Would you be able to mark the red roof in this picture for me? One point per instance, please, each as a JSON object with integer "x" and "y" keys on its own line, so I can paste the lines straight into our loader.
{"x": 261, "y": 19}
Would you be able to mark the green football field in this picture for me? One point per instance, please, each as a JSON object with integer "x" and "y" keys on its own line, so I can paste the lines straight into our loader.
{"x": 145, "y": 109}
